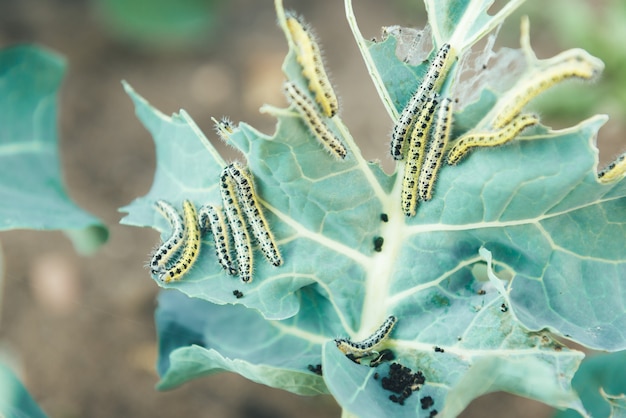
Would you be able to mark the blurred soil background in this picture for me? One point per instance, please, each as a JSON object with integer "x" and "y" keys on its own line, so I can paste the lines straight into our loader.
{"x": 82, "y": 327}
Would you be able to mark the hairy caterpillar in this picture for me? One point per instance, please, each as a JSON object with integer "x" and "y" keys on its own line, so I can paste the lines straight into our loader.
{"x": 574, "y": 63}
{"x": 415, "y": 156}
{"x": 254, "y": 213}
{"x": 211, "y": 219}
{"x": 432, "y": 80}
{"x": 368, "y": 345}
{"x": 440, "y": 136}
{"x": 309, "y": 57}
{"x": 614, "y": 170}
{"x": 316, "y": 125}
{"x": 490, "y": 139}
{"x": 190, "y": 247}
{"x": 164, "y": 253}
{"x": 224, "y": 127}
{"x": 237, "y": 225}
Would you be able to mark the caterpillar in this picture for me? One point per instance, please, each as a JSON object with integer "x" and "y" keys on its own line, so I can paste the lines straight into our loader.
{"x": 254, "y": 213}
{"x": 574, "y": 63}
{"x": 164, "y": 253}
{"x": 490, "y": 139}
{"x": 190, "y": 247}
{"x": 224, "y": 127}
{"x": 614, "y": 170}
{"x": 211, "y": 218}
{"x": 441, "y": 134}
{"x": 415, "y": 156}
{"x": 237, "y": 224}
{"x": 432, "y": 80}
{"x": 310, "y": 59}
{"x": 316, "y": 125}
{"x": 368, "y": 345}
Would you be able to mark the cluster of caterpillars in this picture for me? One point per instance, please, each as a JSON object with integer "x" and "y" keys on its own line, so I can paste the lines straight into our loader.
{"x": 240, "y": 217}
{"x": 421, "y": 135}
{"x": 317, "y": 112}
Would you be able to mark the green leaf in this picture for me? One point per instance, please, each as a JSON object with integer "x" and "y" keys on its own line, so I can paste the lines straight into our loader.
{"x": 359, "y": 389}
{"x": 539, "y": 203}
{"x": 601, "y": 386}
{"x": 519, "y": 243}
{"x": 15, "y": 401}
{"x": 303, "y": 200}
{"x": 618, "y": 405}
{"x": 218, "y": 338}
{"x": 33, "y": 195}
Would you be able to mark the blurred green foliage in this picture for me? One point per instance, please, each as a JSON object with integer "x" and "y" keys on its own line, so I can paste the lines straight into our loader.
{"x": 598, "y": 27}
{"x": 162, "y": 23}
{"x": 32, "y": 192}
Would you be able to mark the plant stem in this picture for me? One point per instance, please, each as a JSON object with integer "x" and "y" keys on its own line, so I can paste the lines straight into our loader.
{"x": 346, "y": 414}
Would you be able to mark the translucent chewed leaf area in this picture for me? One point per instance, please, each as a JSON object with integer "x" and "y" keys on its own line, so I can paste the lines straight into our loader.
{"x": 402, "y": 294}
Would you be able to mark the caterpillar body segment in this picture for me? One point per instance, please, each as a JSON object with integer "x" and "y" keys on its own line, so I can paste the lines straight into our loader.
{"x": 190, "y": 247}
{"x": 441, "y": 134}
{"x": 212, "y": 219}
{"x": 415, "y": 156}
{"x": 254, "y": 213}
{"x": 309, "y": 57}
{"x": 430, "y": 84}
{"x": 469, "y": 141}
{"x": 613, "y": 171}
{"x": 237, "y": 224}
{"x": 368, "y": 345}
{"x": 314, "y": 122}
{"x": 574, "y": 63}
{"x": 166, "y": 251}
